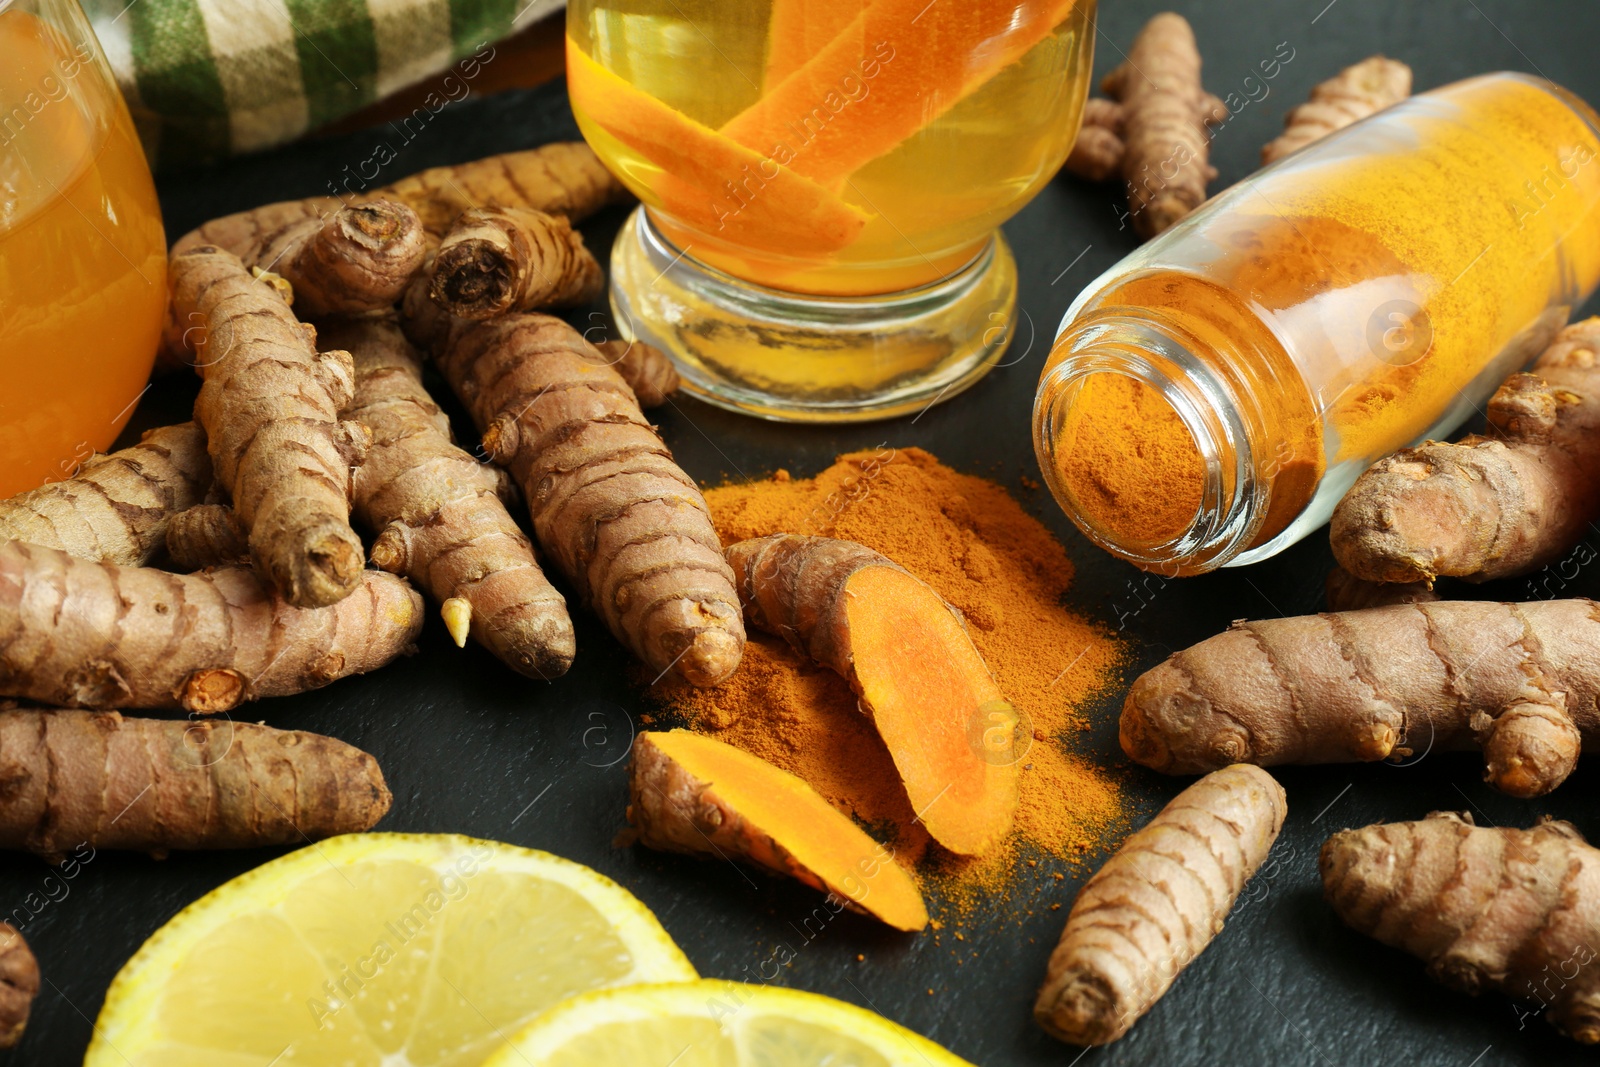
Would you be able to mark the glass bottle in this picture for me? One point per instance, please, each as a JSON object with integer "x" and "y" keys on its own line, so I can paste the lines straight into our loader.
{"x": 82, "y": 255}
{"x": 1211, "y": 397}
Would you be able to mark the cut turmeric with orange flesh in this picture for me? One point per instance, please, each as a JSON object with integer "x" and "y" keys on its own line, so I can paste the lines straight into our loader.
{"x": 781, "y": 211}
{"x": 907, "y": 655}
{"x": 927, "y": 56}
{"x": 689, "y": 793}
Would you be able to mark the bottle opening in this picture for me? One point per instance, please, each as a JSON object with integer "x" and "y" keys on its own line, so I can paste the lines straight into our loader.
{"x": 1127, "y": 461}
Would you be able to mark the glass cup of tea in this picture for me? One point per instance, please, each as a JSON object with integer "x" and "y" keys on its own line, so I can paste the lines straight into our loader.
{"x": 83, "y": 285}
{"x": 822, "y": 185}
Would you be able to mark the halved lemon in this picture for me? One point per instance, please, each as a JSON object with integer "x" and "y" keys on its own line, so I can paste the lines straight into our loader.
{"x": 377, "y": 950}
{"x": 715, "y": 1024}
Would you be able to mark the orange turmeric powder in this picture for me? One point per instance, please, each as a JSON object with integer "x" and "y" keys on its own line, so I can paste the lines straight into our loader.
{"x": 976, "y": 547}
{"x": 1117, "y": 419}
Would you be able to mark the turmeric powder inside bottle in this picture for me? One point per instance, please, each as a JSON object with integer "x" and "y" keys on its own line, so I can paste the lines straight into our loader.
{"x": 1133, "y": 466}
{"x": 1210, "y": 398}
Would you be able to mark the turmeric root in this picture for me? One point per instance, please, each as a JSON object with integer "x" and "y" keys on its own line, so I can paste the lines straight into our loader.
{"x": 1354, "y": 93}
{"x": 19, "y": 984}
{"x": 1519, "y": 681}
{"x": 1502, "y": 909}
{"x": 562, "y": 178}
{"x": 620, "y": 519}
{"x": 1165, "y": 114}
{"x": 907, "y": 655}
{"x": 81, "y": 634}
{"x": 95, "y": 778}
{"x": 1487, "y": 507}
{"x": 207, "y": 535}
{"x": 689, "y": 793}
{"x": 270, "y": 407}
{"x": 338, "y": 260}
{"x": 1346, "y": 592}
{"x": 1098, "y": 151}
{"x": 512, "y": 259}
{"x": 438, "y": 513}
{"x": 117, "y": 508}
{"x": 646, "y": 369}
{"x": 1157, "y": 904}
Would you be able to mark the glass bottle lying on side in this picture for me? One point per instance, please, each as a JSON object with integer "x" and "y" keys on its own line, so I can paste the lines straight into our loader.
{"x": 1211, "y": 397}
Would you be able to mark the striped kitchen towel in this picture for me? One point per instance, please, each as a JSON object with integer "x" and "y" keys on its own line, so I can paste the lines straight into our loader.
{"x": 212, "y": 78}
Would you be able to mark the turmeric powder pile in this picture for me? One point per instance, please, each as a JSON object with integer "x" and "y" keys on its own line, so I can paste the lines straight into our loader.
{"x": 969, "y": 540}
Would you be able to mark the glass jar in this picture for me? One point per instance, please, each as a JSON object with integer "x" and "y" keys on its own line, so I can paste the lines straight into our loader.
{"x": 1210, "y": 398}
{"x": 822, "y": 184}
{"x": 82, "y": 255}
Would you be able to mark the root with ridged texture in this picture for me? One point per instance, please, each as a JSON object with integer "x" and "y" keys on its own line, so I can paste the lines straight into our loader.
{"x": 609, "y": 506}
{"x": 96, "y": 779}
{"x": 511, "y": 259}
{"x": 270, "y": 407}
{"x": 440, "y": 515}
{"x": 1487, "y": 507}
{"x": 118, "y": 507}
{"x": 1520, "y": 682}
{"x": 1157, "y": 903}
{"x": 94, "y": 635}
{"x": 1486, "y": 908}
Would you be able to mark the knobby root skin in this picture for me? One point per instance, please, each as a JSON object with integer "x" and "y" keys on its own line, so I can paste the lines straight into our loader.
{"x": 695, "y": 795}
{"x": 337, "y": 259}
{"x": 116, "y": 509}
{"x": 1518, "y": 681}
{"x": 207, "y": 535}
{"x": 562, "y": 178}
{"x": 1157, "y": 903}
{"x": 1486, "y": 908}
{"x": 93, "y": 635}
{"x": 1487, "y": 507}
{"x": 270, "y": 407}
{"x": 94, "y": 779}
{"x": 439, "y": 515}
{"x": 609, "y": 505}
{"x": 1354, "y": 93}
{"x": 512, "y": 259}
{"x": 1165, "y": 114}
{"x": 647, "y": 370}
{"x": 19, "y": 984}
{"x": 1346, "y": 592}
{"x": 907, "y": 655}
{"x": 1098, "y": 151}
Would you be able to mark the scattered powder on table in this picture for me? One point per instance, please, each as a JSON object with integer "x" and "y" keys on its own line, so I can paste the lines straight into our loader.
{"x": 969, "y": 540}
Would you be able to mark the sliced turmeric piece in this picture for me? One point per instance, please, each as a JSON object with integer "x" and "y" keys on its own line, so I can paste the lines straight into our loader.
{"x": 907, "y": 655}
{"x": 707, "y": 180}
{"x": 896, "y": 68}
{"x": 799, "y": 29}
{"x": 693, "y": 794}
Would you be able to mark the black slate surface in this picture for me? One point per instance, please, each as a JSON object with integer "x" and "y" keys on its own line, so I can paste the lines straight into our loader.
{"x": 468, "y": 747}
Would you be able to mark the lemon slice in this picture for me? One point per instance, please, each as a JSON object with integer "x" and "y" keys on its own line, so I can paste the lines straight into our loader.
{"x": 715, "y": 1024}
{"x": 377, "y": 950}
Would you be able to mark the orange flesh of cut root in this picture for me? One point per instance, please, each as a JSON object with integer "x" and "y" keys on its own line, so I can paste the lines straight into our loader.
{"x": 818, "y": 836}
{"x": 935, "y": 705}
{"x": 707, "y": 180}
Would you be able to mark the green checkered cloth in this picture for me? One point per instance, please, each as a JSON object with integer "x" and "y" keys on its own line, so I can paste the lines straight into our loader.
{"x": 212, "y": 78}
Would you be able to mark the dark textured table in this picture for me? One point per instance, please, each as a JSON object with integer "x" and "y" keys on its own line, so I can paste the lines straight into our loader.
{"x": 469, "y": 747}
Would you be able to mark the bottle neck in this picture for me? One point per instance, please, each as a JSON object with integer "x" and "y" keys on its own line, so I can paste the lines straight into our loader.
{"x": 1150, "y": 444}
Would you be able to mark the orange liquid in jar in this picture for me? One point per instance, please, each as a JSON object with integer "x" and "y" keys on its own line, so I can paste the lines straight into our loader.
{"x": 82, "y": 256}
{"x": 831, "y": 146}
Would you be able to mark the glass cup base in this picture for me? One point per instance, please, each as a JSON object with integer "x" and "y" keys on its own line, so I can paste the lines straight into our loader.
{"x": 795, "y": 357}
